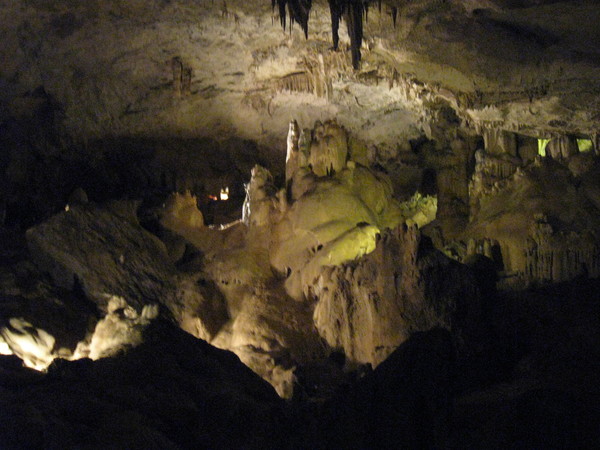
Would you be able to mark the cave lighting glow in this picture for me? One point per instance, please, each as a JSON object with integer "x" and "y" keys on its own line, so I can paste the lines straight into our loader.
{"x": 542, "y": 143}
{"x": 584, "y": 145}
{"x": 224, "y": 195}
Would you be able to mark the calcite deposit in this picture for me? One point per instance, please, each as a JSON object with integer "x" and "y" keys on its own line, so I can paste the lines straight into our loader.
{"x": 387, "y": 210}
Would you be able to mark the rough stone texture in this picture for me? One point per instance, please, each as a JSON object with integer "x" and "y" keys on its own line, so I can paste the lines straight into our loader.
{"x": 509, "y": 63}
{"x": 369, "y": 307}
{"x": 539, "y": 225}
{"x": 172, "y": 391}
{"x": 270, "y": 332}
{"x": 266, "y": 265}
{"x": 38, "y": 321}
{"x": 499, "y": 142}
{"x": 106, "y": 253}
{"x": 562, "y": 147}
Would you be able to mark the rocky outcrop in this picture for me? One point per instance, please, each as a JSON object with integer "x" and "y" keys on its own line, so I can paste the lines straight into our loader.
{"x": 334, "y": 210}
{"x": 369, "y": 307}
{"x": 171, "y": 391}
{"x": 104, "y": 252}
{"x": 266, "y": 266}
{"x": 270, "y": 333}
{"x": 174, "y": 391}
{"x": 555, "y": 257}
{"x": 539, "y": 224}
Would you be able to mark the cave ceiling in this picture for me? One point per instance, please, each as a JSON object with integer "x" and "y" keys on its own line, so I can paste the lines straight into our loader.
{"x": 228, "y": 68}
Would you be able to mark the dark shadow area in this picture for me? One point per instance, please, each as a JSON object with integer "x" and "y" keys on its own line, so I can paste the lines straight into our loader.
{"x": 535, "y": 385}
{"x": 40, "y": 168}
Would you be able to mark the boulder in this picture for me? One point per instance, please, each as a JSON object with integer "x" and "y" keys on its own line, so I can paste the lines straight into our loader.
{"x": 171, "y": 391}
{"x": 104, "y": 252}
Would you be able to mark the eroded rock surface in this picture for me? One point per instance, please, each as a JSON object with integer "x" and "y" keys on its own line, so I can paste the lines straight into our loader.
{"x": 538, "y": 221}
{"x": 106, "y": 253}
{"x": 369, "y": 307}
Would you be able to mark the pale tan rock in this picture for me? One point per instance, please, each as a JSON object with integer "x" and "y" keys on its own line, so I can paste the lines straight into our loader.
{"x": 369, "y": 307}
{"x": 107, "y": 255}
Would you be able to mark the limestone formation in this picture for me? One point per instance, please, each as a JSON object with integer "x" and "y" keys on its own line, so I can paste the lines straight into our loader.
{"x": 177, "y": 68}
{"x": 556, "y": 257}
{"x": 490, "y": 172}
{"x": 128, "y": 132}
{"x": 260, "y": 203}
{"x": 267, "y": 265}
{"x": 562, "y": 147}
{"x": 34, "y": 346}
{"x": 328, "y": 149}
{"x": 171, "y": 391}
{"x": 536, "y": 225}
{"x": 107, "y": 254}
{"x": 292, "y": 159}
{"x": 500, "y": 142}
{"x": 121, "y": 328}
{"x": 369, "y": 307}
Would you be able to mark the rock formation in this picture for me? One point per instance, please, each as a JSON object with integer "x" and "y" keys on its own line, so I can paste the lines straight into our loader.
{"x": 171, "y": 391}
{"x": 550, "y": 236}
{"x": 106, "y": 253}
{"x": 368, "y": 307}
{"x": 132, "y": 133}
{"x": 273, "y": 269}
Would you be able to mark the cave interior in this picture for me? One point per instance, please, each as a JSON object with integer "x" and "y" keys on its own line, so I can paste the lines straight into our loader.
{"x": 300, "y": 224}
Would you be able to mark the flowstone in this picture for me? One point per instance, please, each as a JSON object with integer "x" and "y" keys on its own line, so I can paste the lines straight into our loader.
{"x": 310, "y": 268}
{"x": 282, "y": 269}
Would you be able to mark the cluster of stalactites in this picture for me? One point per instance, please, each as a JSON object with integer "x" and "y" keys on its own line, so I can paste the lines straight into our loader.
{"x": 354, "y": 11}
{"x": 298, "y": 10}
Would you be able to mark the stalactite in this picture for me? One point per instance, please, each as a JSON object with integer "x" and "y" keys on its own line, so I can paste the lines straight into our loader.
{"x": 336, "y": 10}
{"x": 298, "y": 10}
{"x": 354, "y": 18}
{"x": 394, "y": 15}
{"x": 182, "y": 77}
{"x": 355, "y": 10}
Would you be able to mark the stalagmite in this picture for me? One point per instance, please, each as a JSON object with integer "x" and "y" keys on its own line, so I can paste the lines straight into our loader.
{"x": 293, "y": 151}
{"x": 329, "y": 149}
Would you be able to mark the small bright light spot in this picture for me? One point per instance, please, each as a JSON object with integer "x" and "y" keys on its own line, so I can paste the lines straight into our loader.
{"x": 542, "y": 146}
{"x": 224, "y": 194}
{"x": 585, "y": 145}
{"x": 212, "y": 197}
